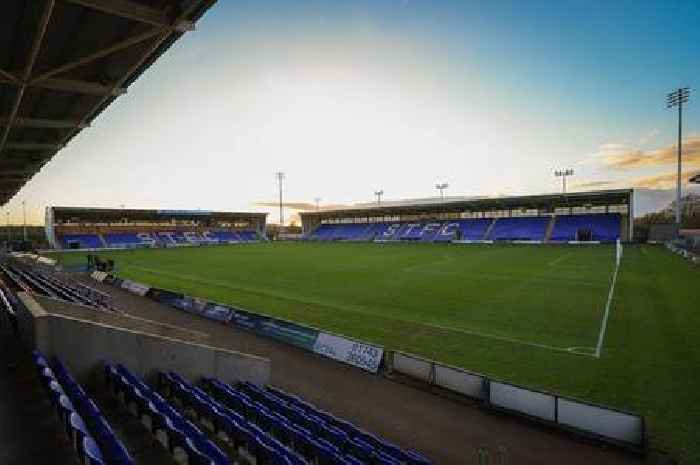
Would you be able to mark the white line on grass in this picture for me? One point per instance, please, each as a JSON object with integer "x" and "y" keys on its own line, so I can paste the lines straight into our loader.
{"x": 604, "y": 325}
{"x": 559, "y": 260}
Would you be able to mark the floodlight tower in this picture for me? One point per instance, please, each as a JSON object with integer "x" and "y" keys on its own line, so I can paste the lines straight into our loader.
{"x": 676, "y": 99}
{"x": 317, "y": 200}
{"x": 280, "y": 180}
{"x": 563, "y": 174}
{"x": 379, "y": 194}
{"x": 441, "y": 187}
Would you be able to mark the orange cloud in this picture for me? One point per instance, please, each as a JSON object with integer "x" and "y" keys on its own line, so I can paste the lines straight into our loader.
{"x": 663, "y": 181}
{"x": 593, "y": 184}
{"x": 619, "y": 157}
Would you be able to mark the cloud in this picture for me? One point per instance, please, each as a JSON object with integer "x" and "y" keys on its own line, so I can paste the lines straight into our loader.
{"x": 594, "y": 184}
{"x": 663, "y": 181}
{"x": 620, "y": 157}
{"x": 649, "y": 136}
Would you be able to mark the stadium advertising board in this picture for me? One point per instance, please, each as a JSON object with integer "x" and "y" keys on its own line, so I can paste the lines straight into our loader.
{"x": 359, "y": 354}
{"x": 283, "y": 331}
{"x": 135, "y": 288}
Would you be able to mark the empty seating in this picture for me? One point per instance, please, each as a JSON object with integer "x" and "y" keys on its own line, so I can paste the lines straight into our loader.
{"x": 50, "y": 286}
{"x": 280, "y": 419}
{"x": 126, "y": 240}
{"x": 588, "y": 227}
{"x": 520, "y": 228}
{"x": 82, "y": 241}
{"x": 172, "y": 429}
{"x": 90, "y": 433}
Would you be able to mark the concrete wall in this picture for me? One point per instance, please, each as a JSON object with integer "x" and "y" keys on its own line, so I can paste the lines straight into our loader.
{"x": 85, "y": 347}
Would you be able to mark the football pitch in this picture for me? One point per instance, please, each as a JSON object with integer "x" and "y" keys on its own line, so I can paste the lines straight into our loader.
{"x": 527, "y": 314}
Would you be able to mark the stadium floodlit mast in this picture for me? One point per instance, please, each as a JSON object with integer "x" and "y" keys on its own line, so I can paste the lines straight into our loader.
{"x": 676, "y": 99}
{"x": 563, "y": 174}
{"x": 280, "y": 179}
{"x": 379, "y": 194}
{"x": 441, "y": 187}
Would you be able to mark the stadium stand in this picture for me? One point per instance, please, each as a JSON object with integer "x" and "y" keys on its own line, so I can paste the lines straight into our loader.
{"x": 156, "y": 239}
{"x": 82, "y": 241}
{"x": 170, "y": 427}
{"x": 90, "y": 433}
{"x": 604, "y": 228}
{"x": 50, "y": 286}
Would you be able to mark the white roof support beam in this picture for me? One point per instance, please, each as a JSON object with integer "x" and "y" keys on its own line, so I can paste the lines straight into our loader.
{"x": 136, "y": 12}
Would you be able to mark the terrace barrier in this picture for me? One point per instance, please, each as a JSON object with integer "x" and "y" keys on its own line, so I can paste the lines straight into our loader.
{"x": 603, "y": 423}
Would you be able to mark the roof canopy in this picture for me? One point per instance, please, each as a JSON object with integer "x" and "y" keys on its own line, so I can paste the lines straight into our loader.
{"x": 62, "y": 62}
{"x": 547, "y": 202}
{"x": 109, "y": 215}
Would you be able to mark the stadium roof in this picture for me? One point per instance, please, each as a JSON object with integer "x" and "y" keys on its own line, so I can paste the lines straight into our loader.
{"x": 62, "y": 62}
{"x": 117, "y": 214}
{"x": 542, "y": 202}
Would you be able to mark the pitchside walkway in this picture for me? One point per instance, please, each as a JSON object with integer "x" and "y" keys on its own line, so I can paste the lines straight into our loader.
{"x": 446, "y": 431}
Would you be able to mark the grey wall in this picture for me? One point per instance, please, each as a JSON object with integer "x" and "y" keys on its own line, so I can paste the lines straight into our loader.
{"x": 85, "y": 347}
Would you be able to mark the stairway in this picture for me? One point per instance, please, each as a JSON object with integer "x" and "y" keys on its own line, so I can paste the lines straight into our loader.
{"x": 488, "y": 230}
{"x": 550, "y": 228}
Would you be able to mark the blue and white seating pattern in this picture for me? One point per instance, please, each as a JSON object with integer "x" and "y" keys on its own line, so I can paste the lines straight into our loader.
{"x": 604, "y": 228}
{"x": 179, "y": 435}
{"x": 156, "y": 239}
{"x": 89, "y": 431}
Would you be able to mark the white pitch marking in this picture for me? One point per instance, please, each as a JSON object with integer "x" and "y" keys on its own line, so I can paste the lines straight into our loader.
{"x": 604, "y": 325}
{"x": 560, "y": 259}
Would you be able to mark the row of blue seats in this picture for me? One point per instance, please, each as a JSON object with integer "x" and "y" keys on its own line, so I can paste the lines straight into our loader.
{"x": 90, "y": 433}
{"x": 177, "y": 434}
{"x": 164, "y": 238}
{"x": 324, "y": 439}
{"x": 595, "y": 227}
{"x": 245, "y": 436}
{"x": 343, "y": 433}
{"x": 47, "y": 285}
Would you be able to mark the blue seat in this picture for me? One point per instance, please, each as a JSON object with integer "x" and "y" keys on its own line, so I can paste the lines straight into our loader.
{"x": 414, "y": 458}
{"x": 91, "y": 452}
{"x": 78, "y": 431}
{"x": 65, "y": 408}
{"x": 55, "y": 392}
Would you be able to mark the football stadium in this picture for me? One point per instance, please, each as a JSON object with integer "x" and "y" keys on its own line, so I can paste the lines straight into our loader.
{"x": 543, "y": 328}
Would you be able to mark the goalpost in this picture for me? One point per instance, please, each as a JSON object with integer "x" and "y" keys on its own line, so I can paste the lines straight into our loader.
{"x": 604, "y": 325}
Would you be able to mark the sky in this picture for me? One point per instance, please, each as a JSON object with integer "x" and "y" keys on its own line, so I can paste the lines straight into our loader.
{"x": 350, "y": 97}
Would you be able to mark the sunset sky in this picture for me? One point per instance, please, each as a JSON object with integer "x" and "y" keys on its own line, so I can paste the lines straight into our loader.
{"x": 350, "y": 97}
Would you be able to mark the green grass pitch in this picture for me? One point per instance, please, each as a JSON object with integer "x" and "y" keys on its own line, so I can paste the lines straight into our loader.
{"x": 529, "y": 315}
